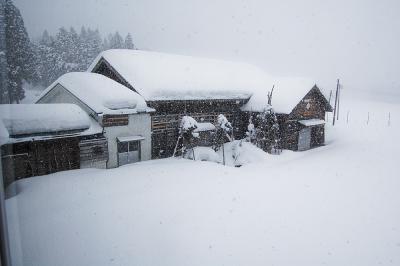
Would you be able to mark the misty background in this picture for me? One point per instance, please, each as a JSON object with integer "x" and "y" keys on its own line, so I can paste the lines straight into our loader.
{"x": 356, "y": 41}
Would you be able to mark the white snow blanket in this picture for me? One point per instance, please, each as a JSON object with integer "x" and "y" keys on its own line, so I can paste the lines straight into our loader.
{"x": 101, "y": 94}
{"x": 25, "y": 119}
{"x": 161, "y": 76}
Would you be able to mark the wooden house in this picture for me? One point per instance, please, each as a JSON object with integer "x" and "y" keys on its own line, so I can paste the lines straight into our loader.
{"x": 177, "y": 85}
{"x": 300, "y": 108}
{"x": 121, "y": 113}
{"x": 39, "y": 139}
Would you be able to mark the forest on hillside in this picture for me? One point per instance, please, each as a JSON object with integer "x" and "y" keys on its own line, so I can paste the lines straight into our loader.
{"x": 42, "y": 61}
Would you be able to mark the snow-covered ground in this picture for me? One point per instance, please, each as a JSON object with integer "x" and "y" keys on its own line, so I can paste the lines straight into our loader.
{"x": 334, "y": 205}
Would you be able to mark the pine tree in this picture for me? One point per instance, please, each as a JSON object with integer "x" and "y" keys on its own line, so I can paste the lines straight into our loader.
{"x": 267, "y": 132}
{"x": 186, "y": 135}
{"x": 73, "y": 56}
{"x": 46, "y": 39}
{"x": 128, "y": 42}
{"x": 94, "y": 46}
{"x": 116, "y": 41}
{"x": 19, "y": 54}
{"x": 105, "y": 45}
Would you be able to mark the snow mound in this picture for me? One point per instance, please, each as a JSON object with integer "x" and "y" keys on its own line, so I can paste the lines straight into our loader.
{"x": 239, "y": 152}
{"x": 24, "y": 119}
{"x": 101, "y": 94}
{"x": 161, "y": 76}
{"x": 203, "y": 154}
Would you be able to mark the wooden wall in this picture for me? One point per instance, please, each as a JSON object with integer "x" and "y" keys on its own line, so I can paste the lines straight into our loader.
{"x": 93, "y": 151}
{"x": 115, "y": 120}
{"x": 34, "y": 158}
{"x": 42, "y": 157}
{"x": 165, "y": 121}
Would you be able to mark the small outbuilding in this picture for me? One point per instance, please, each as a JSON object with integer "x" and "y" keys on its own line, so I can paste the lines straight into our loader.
{"x": 38, "y": 139}
{"x": 300, "y": 107}
{"x": 121, "y": 113}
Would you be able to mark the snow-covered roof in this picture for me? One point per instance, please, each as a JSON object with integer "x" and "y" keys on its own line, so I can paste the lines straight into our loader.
{"x": 288, "y": 92}
{"x": 23, "y": 120}
{"x": 312, "y": 122}
{"x": 101, "y": 94}
{"x": 161, "y": 76}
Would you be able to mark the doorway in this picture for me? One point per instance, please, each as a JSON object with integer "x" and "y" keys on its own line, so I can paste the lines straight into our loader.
{"x": 304, "y": 139}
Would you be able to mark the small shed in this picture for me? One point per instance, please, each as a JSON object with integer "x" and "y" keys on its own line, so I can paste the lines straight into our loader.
{"x": 122, "y": 113}
{"x": 300, "y": 108}
{"x": 39, "y": 139}
{"x": 176, "y": 85}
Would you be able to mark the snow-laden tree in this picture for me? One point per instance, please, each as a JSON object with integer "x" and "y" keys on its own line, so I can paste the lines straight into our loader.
{"x": 267, "y": 131}
{"x": 251, "y": 131}
{"x": 69, "y": 51}
{"x": 186, "y": 134}
{"x": 19, "y": 55}
{"x": 224, "y": 133}
{"x": 129, "y": 42}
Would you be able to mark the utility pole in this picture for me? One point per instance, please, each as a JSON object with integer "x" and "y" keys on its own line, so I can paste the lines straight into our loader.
{"x": 270, "y": 95}
{"x": 336, "y": 100}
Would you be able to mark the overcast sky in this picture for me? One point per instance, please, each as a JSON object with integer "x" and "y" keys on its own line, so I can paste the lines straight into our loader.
{"x": 357, "y": 41}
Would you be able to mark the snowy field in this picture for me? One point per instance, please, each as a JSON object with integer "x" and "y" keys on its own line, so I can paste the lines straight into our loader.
{"x": 334, "y": 205}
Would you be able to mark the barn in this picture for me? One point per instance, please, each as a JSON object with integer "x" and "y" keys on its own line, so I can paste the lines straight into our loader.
{"x": 176, "y": 85}
{"x": 41, "y": 139}
{"x": 121, "y": 113}
{"x": 300, "y": 108}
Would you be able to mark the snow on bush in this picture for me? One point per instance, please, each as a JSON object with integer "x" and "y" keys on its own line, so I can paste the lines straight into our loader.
{"x": 188, "y": 123}
{"x": 224, "y": 123}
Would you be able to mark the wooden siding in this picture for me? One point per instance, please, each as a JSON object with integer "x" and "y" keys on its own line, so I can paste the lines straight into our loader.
{"x": 115, "y": 120}
{"x": 313, "y": 105}
{"x": 26, "y": 159}
{"x": 93, "y": 151}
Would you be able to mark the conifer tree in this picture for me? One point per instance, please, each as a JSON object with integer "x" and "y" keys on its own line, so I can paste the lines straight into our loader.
{"x": 267, "y": 132}
{"x": 128, "y": 42}
{"x": 19, "y": 54}
{"x": 116, "y": 41}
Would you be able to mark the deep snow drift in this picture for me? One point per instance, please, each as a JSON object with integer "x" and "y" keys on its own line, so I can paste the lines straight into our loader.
{"x": 334, "y": 205}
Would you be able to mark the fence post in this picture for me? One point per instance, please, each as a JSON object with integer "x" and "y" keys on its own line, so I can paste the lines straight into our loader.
{"x": 368, "y": 118}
